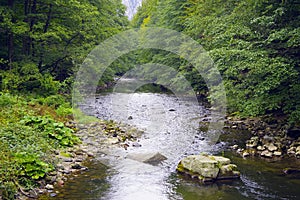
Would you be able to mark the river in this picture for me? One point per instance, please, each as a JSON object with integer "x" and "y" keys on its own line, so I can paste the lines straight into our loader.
{"x": 171, "y": 128}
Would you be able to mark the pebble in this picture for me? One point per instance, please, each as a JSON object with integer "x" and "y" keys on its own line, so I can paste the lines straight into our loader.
{"x": 267, "y": 154}
{"x": 53, "y": 194}
{"x": 136, "y": 144}
{"x": 76, "y": 166}
{"x": 49, "y": 187}
{"x": 277, "y": 153}
{"x": 271, "y": 147}
{"x": 246, "y": 154}
{"x": 260, "y": 148}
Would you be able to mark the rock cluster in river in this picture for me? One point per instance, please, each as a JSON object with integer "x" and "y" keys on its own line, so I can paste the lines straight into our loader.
{"x": 208, "y": 168}
{"x": 270, "y": 138}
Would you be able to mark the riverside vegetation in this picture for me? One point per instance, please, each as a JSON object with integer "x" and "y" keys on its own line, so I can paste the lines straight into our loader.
{"x": 254, "y": 44}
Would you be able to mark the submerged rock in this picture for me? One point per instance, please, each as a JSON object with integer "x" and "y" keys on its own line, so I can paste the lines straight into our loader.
{"x": 149, "y": 158}
{"x": 208, "y": 168}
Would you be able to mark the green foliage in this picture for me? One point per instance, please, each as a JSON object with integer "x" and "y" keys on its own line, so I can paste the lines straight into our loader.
{"x": 32, "y": 166}
{"x": 53, "y": 129}
{"x": 254, "y": 44}
{"x": 44, "y": 42}
{"x": 27, "y": 140}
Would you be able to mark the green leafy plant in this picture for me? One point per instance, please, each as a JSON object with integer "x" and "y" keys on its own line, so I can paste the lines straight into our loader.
{"x": 53, "y": 129}
{"x": 31, "y": 166}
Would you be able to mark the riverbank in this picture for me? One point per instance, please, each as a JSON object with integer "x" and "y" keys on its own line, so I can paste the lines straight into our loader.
{"x": 271, "y": 138}
{"x": 96, "y": 138}
{"x": 40, "y": 145}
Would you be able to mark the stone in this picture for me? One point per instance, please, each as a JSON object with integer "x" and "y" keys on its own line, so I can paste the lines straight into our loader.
{"x": 271, "y": 147}
{"x": 277, "y": 153}
{"x": 251, "y": 144}
{"x": 291, "y": 150}
{"x": 76, "y": 166}
{"x": 130, "y": 118}
{"x": 267, "y": 154}
{"x": 136, "y": 144}
{"x": 112, "y": 141}
{"x": 228, "y": 171}
{"x": 245, "y": 154}
{"x": 261, "y": 148}
{"x": 49, "y": 187}
{"x": 235, "y": 147}
{"x": 208, "y": 168}
{"x": 149, "y": 158}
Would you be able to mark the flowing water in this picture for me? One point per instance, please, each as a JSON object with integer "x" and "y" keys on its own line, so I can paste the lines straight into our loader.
{"x": 171, "y": 128}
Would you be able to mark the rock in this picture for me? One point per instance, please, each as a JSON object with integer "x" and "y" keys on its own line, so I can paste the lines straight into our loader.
{"x": 49, "y": 187}
{"x": 76, "y": 166}
{"x": 136, "y": 144}
{"x": 60, "y": 183}
{"x": 298, "y": 149}
{"x": 252, "y": 143}
{"x": 235, "y": 147}
{"x": 228, "y": 171}
{"x": 53, "y": 195}
{"x": 207, "y": 167}
{"x": 267, "y": 154}
{"x": 245, "y": 154}
{"x": 68, "y": 160}
{"x": 112, "y": 141}
{"x": 271, "y": 147}
{"x": 130, "y": 118}
{"x": 291, "y": 150}
{"x": 149, "y": 158}
{"x": 261, "y": 148}
{"x": 277, "y": 153}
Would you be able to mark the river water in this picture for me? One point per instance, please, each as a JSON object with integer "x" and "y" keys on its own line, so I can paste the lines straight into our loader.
{"x": 171, "y": 128}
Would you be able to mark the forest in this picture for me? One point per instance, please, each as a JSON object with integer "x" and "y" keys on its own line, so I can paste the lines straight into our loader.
{"x": 255, "y": 45}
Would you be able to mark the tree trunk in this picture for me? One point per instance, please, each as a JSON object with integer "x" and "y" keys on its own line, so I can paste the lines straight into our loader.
{"x": 10, "y": 42}
{"x": 32, "y": 22}
{"x": 47, "y": 24}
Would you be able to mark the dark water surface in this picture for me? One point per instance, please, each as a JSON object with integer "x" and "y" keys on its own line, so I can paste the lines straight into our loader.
{"x": 171, "y": 128}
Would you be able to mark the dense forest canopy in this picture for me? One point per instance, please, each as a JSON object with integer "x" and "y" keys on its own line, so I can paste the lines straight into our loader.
{"x": 254, "y": 44}
{"x": 44, "y": 41}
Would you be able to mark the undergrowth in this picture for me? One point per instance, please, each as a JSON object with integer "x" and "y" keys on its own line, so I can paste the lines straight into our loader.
{"x": 30, "y": 130}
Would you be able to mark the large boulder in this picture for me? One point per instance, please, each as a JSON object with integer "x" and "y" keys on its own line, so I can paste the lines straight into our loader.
{"x": 208, "y": 168}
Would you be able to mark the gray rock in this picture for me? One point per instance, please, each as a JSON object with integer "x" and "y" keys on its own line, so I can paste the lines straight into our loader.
{"x": 149, "y": 158}
{"x": 136, "y": 144}
{"x": 245, "y": 154}
{"x": 267, "y": 154}
{"x": 49, "y": 187}
{"x": 271, "y": 147}
{"x": 261, "y": 148}
{"x": 277, "y": 153}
